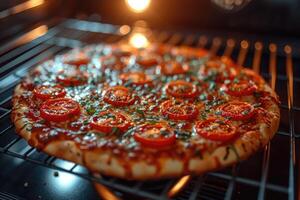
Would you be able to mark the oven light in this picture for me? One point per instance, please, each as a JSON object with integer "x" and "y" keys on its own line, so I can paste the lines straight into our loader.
{"x": 138, "y": 40}
{"x": 138, "y": 5}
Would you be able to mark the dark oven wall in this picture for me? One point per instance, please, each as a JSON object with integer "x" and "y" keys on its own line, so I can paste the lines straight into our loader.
{"x": 276, "y": 17}
{"x": 273, "y": 17}
{"x": 19, "y": 16}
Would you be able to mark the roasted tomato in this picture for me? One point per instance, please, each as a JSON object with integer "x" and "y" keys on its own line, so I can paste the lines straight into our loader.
{"x": 78, "y": 60}
{"x": 172, "y": 68}
{"x": 107, "y": 121}
{"x": 119, "y": 96}
{"x": 147, "y": 60}
{"x": 160, "y": 49}
{"x": 181, "y": 89}
{"x": 72, "y": 77}
{"x": 60, "y": 109}
{"x": 237, "y": 110}
{"x": 136, "y": 78}
{"x": 112, "y": 62}
{"x": 239, "y": 88}
{"x": 123, "y": 50}
{"x": 217, "y": 71}
{"x": 189, "y": 52}
{"x": 247, "y": 75}
{"x": 154, "y": 135}
{"x": 215, "y": 129}
{"x": 179, "y": 110}
{"x": 45, "y": 92}
{"x": 228, "y": 61}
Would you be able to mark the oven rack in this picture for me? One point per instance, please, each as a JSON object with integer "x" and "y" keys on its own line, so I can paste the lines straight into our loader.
{"x": 274, "y": 60}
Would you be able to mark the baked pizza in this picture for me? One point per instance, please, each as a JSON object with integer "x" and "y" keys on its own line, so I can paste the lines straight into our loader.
{"x": 157, "y": 112}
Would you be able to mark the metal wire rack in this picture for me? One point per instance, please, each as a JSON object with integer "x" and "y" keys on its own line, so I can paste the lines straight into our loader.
{"x": 269, "y": 174}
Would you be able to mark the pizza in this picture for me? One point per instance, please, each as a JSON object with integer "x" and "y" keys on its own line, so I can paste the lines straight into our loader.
{"x": 157, "y": 112}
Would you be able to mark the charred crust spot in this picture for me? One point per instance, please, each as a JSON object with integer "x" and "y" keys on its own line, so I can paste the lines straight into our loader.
{"x": 226, "y": 153}
{"x": 244, "y": 147}
{"x": 217, "y": 161}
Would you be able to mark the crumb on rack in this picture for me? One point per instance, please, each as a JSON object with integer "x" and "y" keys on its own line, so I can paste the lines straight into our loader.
{"x": 56, "y": 174}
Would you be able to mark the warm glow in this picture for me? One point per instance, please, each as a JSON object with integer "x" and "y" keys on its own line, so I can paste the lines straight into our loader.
{"x": 26, "y": 5}
{"x": 138, "y": 5}
{"x": 31, "y": 35}
{"x": 138, "y": 40}
{"x": 124, "y": 29}
{"x": 179, "y": 185}
{"x": 35, "y": 33}
{"x": 104, "y": 192}
{"x": 21, "y": 7}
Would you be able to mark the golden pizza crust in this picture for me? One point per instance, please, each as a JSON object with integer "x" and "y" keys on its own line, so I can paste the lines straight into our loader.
{"x": 107, "y": 163}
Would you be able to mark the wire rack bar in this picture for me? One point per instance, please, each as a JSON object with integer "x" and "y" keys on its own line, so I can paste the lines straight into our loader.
{"x": 290, "y": 89}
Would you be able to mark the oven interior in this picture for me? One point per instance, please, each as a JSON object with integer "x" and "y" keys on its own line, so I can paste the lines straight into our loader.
{"x": 36, "y": 35}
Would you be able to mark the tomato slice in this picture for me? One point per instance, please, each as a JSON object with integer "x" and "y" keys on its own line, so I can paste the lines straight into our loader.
{"x": 228, "y": 61}
{"x": 72, "y": 77}
{"x": 237, "y": 110}
{"x": 112, "y": 62}
{"x": 119, "y": 96}
{"x": 136, "y": 78}
{"x": 179, "y": 110}
{"x": 181, "y": 89}
{"x": 78, "y": 60}
{"x": 122, "y": 50}
{"x": 240, "y": 88}
{"x": 147, "y": 60}
{"x": 216, "y": 130}
{"x": 218, "y": 71}
{"x": 60, "y": 109}
{"x": 154, "y": 135}
{"x": 189, "y": 52}
{"x": 106, "y": 121}
{"x": 45, "y": 92}
{"x": 160, "y": 49}
{"x": 172, "y": 68}
{"x": 247, "y": 74}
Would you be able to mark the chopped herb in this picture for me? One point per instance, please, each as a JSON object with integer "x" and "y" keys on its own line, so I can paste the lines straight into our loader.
{"x": 129, "y": 133}
{"x": 256, "y": 105}
{"x": 128, "y": 83}
{"x": 236, "y": 80}
{"x": 203, "y": 97}
{"x": 245, "y": 112}
{"x": 164, "y": 133}
{"x": 172, "y": 123}
{"x": 82, "y": 103}
{"x": 257, "y": 94}
{"x": 183, "y": 135}
{"x": 115, "y": 130}
{"x": 141, "y": 112}
{"x": 152, "y": 107}
{"x": 227, "y": 81}
{"x": 212, "y": 86}
{"x": 28, "y": 128}
{"x": 190, "y": 72}
{"x": 151, "y": 121}
{"x": 203, "y": 115}
{"x": 218, "y": 112}
{"x": 90, "y": 110}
